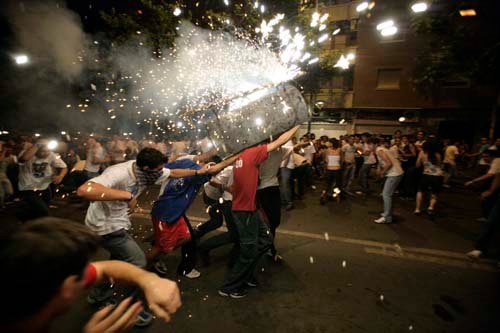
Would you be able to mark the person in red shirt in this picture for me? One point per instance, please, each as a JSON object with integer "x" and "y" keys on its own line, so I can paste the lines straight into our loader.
{"x": 254, "y": 235}
{"x": 45, "y": 267}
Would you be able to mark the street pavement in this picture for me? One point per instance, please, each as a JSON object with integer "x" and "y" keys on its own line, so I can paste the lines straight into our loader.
{"x": 341, "y": 273}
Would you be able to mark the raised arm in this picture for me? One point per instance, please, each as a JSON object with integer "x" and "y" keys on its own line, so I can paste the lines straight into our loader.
{"x": 220, "y": 166}
{"x": 28, "y": 153}
{"x": 283, "y": 138}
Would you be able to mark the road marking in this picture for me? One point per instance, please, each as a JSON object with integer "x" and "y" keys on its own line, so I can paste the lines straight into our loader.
{"x": 442, "y": 257}
{"x": 435, "y": 260}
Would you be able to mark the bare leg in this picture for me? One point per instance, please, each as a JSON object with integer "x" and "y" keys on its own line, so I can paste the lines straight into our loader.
{"x": 419, "y": 201}
{"x": 433, "y": 201}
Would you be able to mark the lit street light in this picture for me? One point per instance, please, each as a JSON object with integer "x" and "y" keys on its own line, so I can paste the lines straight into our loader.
{"x": 385, "y": 24}
{"x": 390, "y": 31}
{"x": 419, "y": 7}
{"x": 362, "y": 6}
{"x": 21, "y": 59}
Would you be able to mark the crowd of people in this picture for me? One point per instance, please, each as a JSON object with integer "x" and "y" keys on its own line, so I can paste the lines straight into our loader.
{"x": 247, "y": 191}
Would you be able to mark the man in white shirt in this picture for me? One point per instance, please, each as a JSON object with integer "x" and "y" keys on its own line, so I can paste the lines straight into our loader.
{"x": 218, "y": 197}
{"x": 268, "y": 191}
{"x": 37, "y": 170}
{"x": 286, "y": 184}
{"x": 113, "y": 197}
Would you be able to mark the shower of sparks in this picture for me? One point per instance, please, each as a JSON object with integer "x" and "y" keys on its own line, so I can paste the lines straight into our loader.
{"x": 204, "y": 69}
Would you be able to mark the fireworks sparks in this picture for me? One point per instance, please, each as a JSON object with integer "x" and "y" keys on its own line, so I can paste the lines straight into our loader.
{"x": 177, "y": 11}
{"x": 205, "y": 69}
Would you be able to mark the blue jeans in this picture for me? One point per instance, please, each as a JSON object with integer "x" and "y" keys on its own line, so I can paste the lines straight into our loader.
{"x": 285, "y": 186}
{"x": 348, "y": 176}
{"x": 390, "y": 185}
{"x": 363, "y": 177}
{"x": 123, "y": 247}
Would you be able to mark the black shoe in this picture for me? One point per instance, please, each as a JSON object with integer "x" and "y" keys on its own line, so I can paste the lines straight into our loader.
{"x": 233, "y": 294}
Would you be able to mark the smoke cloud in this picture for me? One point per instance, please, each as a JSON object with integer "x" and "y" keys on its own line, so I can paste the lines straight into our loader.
{"x": 52, "y": 34}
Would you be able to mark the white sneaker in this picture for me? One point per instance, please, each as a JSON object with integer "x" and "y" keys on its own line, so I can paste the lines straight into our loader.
{"x": 194, "y": 274}
{"x": 474, "y": 254}
{"x": 380, "y": 220}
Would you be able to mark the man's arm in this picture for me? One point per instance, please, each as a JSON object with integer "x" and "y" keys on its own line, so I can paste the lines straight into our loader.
{"x": 97, "y": 192}
{"x": 162, "y": 295}
{"x": 28, "y": 153}
{"x": 283, "y": 138}
{"x": 181, "y": 173}
{"x": 484, "y": 177}
{"x": 220, "y": 166}
{"x": 58, "y": 179}
{"x": 493, "y": 188}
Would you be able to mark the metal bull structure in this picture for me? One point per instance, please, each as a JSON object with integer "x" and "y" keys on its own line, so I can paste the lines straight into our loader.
{"x": 254, "y": 117}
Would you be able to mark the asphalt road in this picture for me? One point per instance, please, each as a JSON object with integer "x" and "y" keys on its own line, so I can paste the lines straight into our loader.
{"x": 342, "y": 273}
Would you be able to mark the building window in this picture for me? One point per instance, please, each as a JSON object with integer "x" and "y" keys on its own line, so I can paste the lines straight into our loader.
{"x": 388, "y": 78}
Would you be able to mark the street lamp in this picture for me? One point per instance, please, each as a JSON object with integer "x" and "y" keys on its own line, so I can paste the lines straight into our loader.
{"x": 21, "y": 59}
{"x": 390, "y": 31}
{"x": 419, "y": 7}
{"x": 362, "y": 6}
{"x": 385, "y": 24}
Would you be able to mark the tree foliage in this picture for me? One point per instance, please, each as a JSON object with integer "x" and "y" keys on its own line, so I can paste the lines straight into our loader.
{"x": 457, "y": 48}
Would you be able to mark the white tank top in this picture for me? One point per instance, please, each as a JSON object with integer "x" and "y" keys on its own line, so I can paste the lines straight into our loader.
{"x": 333, "y": 160}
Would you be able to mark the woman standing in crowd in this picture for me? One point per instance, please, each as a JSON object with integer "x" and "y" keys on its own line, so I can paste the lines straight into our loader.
{"x": 333, "y": 159}
{"x": 432, "y": 178}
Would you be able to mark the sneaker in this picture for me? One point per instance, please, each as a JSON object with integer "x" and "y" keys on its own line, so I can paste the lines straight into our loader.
{"x": 481, "y": 219}
{"x": 144, "y": 318}
{"x": 160, "y": 267}
{"x": 381, "y": 220}
{"x": 289, "y": 207}
{"x": 417, "y": 212}
{"x": 474, "y": 254}
{"x": 233, "y": 294}
{"x": 431, "y": 212}
{"x": 277, "y": 259}
{"x": 252, "y": 283}
{"x": 194, "y": 274}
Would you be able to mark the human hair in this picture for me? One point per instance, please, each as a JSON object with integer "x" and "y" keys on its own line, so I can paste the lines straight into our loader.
{"x": 430, "y": 149}
{"x": 37, "y": 258}
{"x": 215, "y": 159}
{"x": 150, "y": 157}
{"x": 335, "y": 143}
